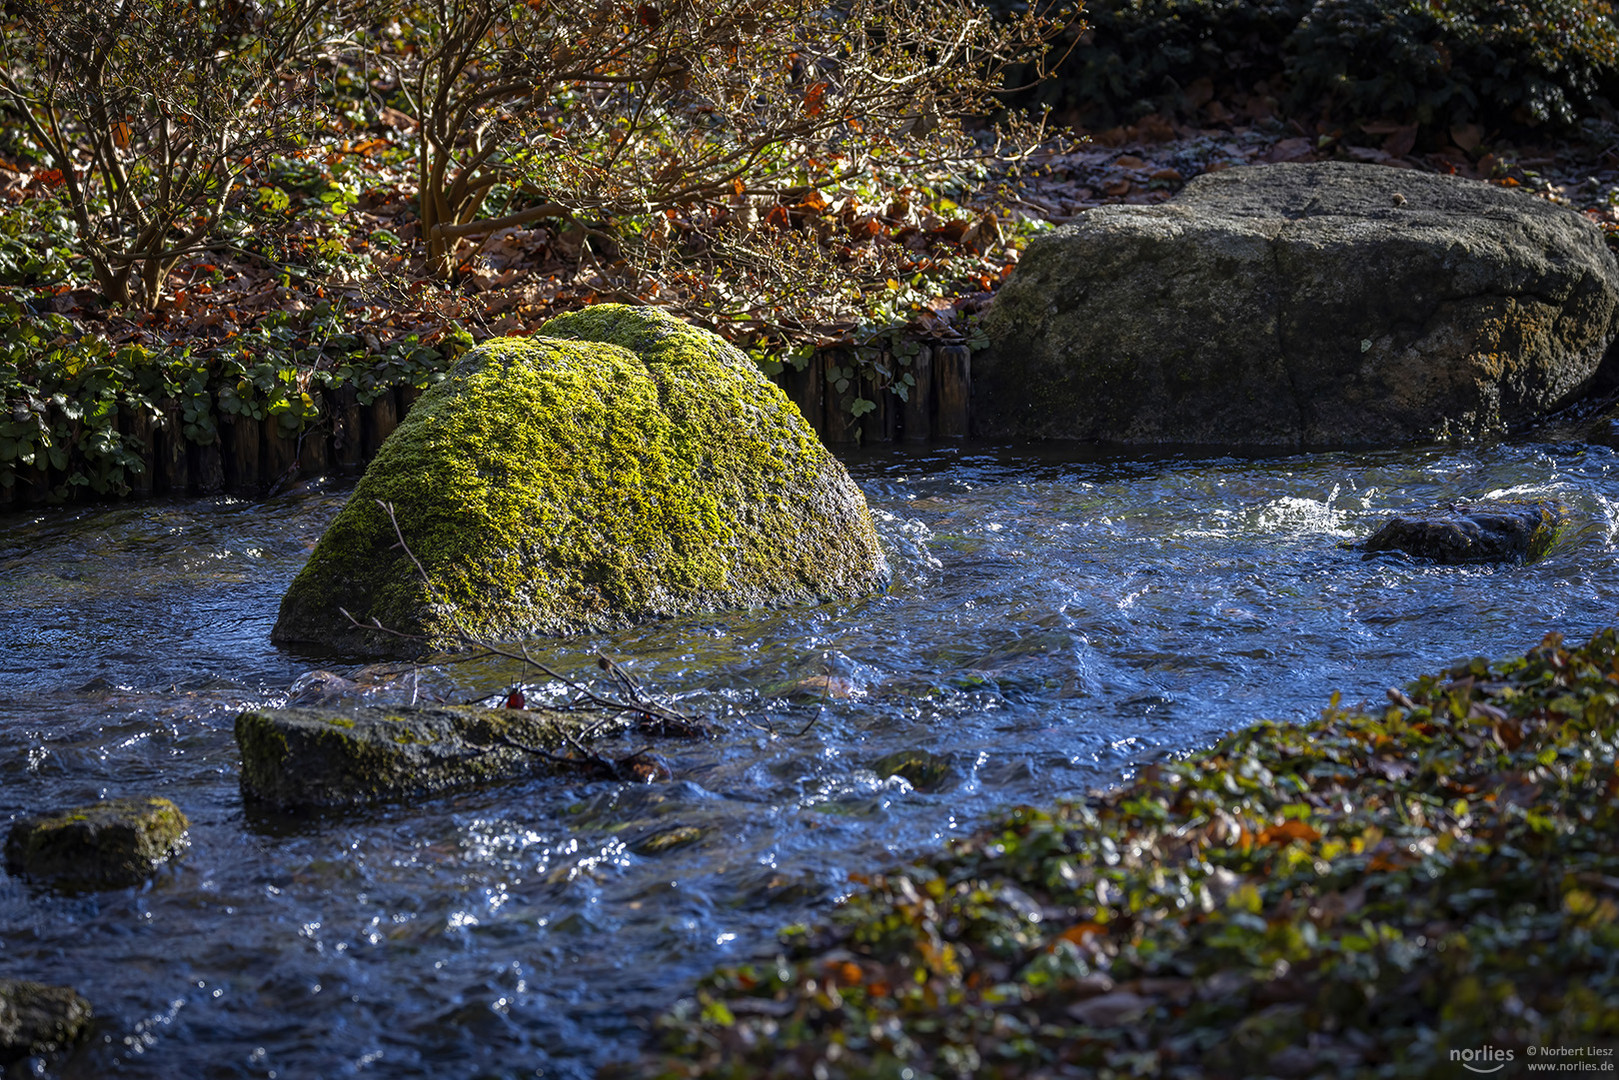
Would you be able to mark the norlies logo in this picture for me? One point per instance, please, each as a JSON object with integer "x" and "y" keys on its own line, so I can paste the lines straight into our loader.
{"x": 1485, "y": 1060}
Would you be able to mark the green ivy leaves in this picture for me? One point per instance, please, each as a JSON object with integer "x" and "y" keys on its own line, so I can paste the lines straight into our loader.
{"x": 65, "y": 392}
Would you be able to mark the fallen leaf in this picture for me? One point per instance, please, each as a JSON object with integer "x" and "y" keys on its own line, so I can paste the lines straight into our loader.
{"x": 1287, "y": 832}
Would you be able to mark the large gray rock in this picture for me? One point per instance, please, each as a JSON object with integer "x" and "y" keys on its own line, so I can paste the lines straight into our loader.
{"x": 1300, "y": 304}
{"x": 619, "y": 466}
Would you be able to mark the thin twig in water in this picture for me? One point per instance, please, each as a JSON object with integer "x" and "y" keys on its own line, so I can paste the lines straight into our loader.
{"x": 652, "y": 716}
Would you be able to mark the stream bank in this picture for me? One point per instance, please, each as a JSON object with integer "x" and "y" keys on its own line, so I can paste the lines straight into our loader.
{"x": 1060, "y": 619}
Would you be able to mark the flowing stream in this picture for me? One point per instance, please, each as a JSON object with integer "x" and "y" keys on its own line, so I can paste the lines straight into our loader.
{"x": 1057, "y": 618}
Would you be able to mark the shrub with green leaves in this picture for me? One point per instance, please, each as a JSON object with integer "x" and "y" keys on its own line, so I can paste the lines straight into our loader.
{"x": 1498, "y": 63}
{"x": 65, "y": 390}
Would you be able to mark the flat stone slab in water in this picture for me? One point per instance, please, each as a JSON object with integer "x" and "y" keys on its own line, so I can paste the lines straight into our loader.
{"x": 296, "y": 759}
{"x": 106, "y": 845}
{"x": 36, "y": 1018}
{"x": 1483, "y": 533}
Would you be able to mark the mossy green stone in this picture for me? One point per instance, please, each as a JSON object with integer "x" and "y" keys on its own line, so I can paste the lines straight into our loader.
{"x": 620, "y": 466}
{"x": 36, "y": 1018}
{"x": 109, "y": 845}
{"x": 296, "y": 759}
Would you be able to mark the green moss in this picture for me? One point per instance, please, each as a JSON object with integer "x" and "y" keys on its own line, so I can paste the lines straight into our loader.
{"x": 111, "y": 844}
{"x": 622, "y": 467}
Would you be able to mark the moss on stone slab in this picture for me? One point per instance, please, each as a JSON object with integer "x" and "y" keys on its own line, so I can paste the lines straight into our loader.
{"x": 37, "y": 1019}
{"x": 621, "y": 466}
{"x": 108, "y": 845}
{"x": 294, "y": 759}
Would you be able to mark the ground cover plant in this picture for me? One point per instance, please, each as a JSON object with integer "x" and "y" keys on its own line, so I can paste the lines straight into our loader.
{"x": 1383, "y": 891}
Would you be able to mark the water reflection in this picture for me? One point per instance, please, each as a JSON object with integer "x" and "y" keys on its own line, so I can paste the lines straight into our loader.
{"x": 1054, "y": 622}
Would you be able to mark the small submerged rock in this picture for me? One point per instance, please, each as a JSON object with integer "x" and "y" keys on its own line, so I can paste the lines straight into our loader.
{"x": 923, "y": 770}
{"x": 675, "y": 836}
{"x": 1474, "y": 532}
{"x": 303, "y": 758}
{"x": 106, "y": 845}
{"x": 319, "y": 688}
{"x": 36, "y": 1018}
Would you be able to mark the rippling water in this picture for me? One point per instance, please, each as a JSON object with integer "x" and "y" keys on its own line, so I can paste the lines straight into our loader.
{"x": 1054, "y": 622}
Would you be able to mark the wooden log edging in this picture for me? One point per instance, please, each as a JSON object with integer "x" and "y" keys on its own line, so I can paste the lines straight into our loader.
{"x": 254, "y": 458}
{"x": 938, "y": 406}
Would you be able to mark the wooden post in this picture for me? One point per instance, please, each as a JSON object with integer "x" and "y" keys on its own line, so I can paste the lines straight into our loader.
{"x": 241, "y": 458}
{"x": 348, "y": 444}
{"x": 314, "y": 450}
{"x": 169, "y": 452}
{"x": 136, "y": 426}
{"x": 807, "y": 388}
{"x": 407, "y": 396}
{"x": 918, "y": 419}
{"x": 278, "y": 457}
{"x": 380, "y": 420}
{"x": 841, "y": 426}
{"x": 878, "y": 425}
{"x": 205, "y": 466}
{"x": 952, "y": 372}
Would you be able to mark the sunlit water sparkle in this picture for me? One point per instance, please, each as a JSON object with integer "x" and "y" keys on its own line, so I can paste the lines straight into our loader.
{"x": 1054, "y": 622}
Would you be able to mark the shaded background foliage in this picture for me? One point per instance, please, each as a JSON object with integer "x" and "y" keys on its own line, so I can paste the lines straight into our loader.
{"x": 1503, "y": 64}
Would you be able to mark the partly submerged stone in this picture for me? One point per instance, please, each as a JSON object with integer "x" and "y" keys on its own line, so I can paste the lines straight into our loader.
{"x": 106, "y": 845}
{"x": 1300, "y": 304}
{"x": 618, "y": 467}
{"x": 668, "y": 839}
{"x": 925, "y": 771}
{"x": 296, "y": 759}
{"x": 1476, "y": 533}
{"x": 37, "y": 1018}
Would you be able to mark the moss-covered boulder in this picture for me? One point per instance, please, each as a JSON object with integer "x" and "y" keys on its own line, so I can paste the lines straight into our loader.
{"x": 107, "y": 845}
{"x": 1476, "y": 533}
{"x": 620, "y": 466}
{"x": 294, "y": 759}
{"x": 36, "y": 1019}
